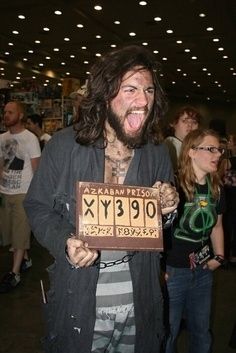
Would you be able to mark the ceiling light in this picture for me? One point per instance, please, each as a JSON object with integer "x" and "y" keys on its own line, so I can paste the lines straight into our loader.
{"x": 30, "y": 51}
{"x": 157, "y": 19}
{"x": 66, "y": 39}
{"x": 98, "y": 7}
{"x": 232, "y": 69}
{"x": 179, "y": 70}
{"x": 184, "y": 74}
{"x": 155, "y": 51}
{"x": 198, "y": 85}
{"x": 225, "y": 57}
{"x": 58, "y": 12}
{"x": 98, "y": 36}
{"x": 2, "y": 68}
{"x": 48, "y": 57}
{"x": 187, "y": 50}
{"x": 41, "y": 64}
{"x": 209, "y": 29}
{"x": 84, "y": 48}
{"x": 86, "y": 62}
{"x": 194, "y": 57}
{"x": 202, "y": 15}
{"x": 45, "y": 84}
{"x": 59, "y": 84}
{"x": 37, "y": 41}
{"x": 87, "y": 73}
{"x": 215, "y": 39}
{"x": 142, "y": 3}
{"x": 204, "y": 69}
{"x": 46, "y": 29}
{"x": 79, "y": 25}
{"x": 113, "y": 45}
{"x": 15, "y": 32}
{"x": 234, "y": 73}
{"x": 72, "y": 56}
{"x": 63, "y": 63}
{"x": 208, "y": 74}
{"x": 21, "y": 17}
{"x": 164, "y": 58}
{"x": 173, "y": 82}
{"x": 220, "y": 49}
{"x": 55, "y": 49}
{"x": 169, "y": 31}
{"x": 98, "y": 54}
{"x": 208, "y": 98}
{"x": 33, "y": 77}
{"x": 67, "y": 73}
{"x": 17, "y": 77}
{"x": 11, "y": 44}
{"x": 132, "y": 34}
{"x": 117, "y": 22}
{"x": 179, "y": 42}
{"x": 144, "y": 43}
{"x": 25, "y": 59}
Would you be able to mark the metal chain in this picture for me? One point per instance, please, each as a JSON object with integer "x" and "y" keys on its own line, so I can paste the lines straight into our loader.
{"x": 102, "y": 265}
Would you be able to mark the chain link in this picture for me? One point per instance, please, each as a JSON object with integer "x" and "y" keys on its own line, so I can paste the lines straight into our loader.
{"x": 102, "y": 265}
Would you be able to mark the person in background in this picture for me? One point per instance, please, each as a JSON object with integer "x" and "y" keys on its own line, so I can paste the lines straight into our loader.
{"x": 99, "y": 301}
{"x": 197, "y": 244}
{"x": 229, "y": 218}
{"x": 19, "y": 157}
{"x": 34, "y": 123}
{"x": 77, "y": 97}
{"x": 185, "y": 120}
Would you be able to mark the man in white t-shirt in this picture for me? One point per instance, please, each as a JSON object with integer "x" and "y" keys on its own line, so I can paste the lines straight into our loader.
{"x": 19, "y": 158}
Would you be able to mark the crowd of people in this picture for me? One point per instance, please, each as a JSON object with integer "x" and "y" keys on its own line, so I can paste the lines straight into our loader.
{"x": 98, "y": 300}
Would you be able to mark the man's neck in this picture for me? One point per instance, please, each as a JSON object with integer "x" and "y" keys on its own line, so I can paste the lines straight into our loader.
{"x": 16, "y": 129}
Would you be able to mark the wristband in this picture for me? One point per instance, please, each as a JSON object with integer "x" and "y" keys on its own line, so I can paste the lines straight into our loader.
{"x": 220, "y": 259}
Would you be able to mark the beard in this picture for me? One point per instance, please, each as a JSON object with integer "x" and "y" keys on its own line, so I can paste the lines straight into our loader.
{"x": 11, "y": 122}
{"x": 131, "y": 140}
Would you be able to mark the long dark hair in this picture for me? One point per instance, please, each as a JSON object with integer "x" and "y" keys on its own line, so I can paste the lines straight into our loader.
{"x": 103, "y": 85}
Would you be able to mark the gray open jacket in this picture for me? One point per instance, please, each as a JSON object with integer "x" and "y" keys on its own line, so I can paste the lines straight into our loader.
{"x": 50, "y": 206}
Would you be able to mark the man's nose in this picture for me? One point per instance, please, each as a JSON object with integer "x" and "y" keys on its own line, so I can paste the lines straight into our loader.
{"x": 141, "y": 98}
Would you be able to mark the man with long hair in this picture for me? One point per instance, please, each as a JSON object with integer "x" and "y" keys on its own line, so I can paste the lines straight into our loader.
{"x": 116, "y": 307}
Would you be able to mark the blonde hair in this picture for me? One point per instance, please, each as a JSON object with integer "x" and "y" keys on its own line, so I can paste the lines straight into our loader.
{"x": 187, "y": 176}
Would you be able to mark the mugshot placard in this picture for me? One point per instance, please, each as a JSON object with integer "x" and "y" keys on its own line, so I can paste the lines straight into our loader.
{"x": 110, "y": 216}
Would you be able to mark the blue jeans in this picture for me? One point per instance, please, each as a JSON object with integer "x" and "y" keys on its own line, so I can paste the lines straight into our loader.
{"x": 189, "y": 293}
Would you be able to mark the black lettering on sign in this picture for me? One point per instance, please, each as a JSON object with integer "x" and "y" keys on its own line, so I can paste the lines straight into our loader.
{"x": 89, "y": 204}
{"x": 151, "y": 209}
{"x": 106, "y": 204}
{"x": 135, "y": 206}
{"x": 120, "y": 208}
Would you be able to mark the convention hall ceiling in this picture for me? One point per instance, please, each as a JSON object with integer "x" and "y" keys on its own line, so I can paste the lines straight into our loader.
{"x": 193, "y": 40}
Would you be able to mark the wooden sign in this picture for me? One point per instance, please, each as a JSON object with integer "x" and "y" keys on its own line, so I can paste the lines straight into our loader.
{"x": 111, "y": 216}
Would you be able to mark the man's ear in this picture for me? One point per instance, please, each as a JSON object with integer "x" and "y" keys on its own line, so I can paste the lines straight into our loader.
{"x": 21, "y": 116}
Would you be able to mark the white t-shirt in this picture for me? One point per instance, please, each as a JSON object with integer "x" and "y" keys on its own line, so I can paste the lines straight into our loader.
{"x": 16, "y": 152}
{"x": 45, "y": 137}
{"x": 174, "y": 145}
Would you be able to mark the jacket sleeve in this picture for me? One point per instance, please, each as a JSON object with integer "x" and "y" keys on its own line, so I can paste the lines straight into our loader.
{"x": 46, "y": 205}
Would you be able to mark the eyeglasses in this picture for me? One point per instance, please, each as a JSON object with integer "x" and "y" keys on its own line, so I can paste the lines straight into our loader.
{"x": 189, "y": 121}
{"x": 211, "y": 149}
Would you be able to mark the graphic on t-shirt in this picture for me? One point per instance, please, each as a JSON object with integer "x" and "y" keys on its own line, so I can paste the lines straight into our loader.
{"x": 13, "y": 164}
{"x": 197, "y": 219}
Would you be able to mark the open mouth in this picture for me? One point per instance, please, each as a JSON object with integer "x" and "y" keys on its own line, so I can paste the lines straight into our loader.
{"x": 135, "y": 119}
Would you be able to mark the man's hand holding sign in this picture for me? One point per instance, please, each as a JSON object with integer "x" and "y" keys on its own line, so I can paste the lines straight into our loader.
{"x": 117, "y": 217}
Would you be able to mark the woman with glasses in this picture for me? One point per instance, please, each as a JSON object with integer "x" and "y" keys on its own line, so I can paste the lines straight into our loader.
{"x": 197, "y": 247}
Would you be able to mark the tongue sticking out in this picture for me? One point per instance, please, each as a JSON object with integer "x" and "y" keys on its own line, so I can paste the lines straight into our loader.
{"x": 134, "y": 121}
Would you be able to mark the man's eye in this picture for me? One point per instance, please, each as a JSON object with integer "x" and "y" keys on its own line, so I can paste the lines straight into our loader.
{"x": 150, "y": 90}
{"x": 129, "y": 90}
